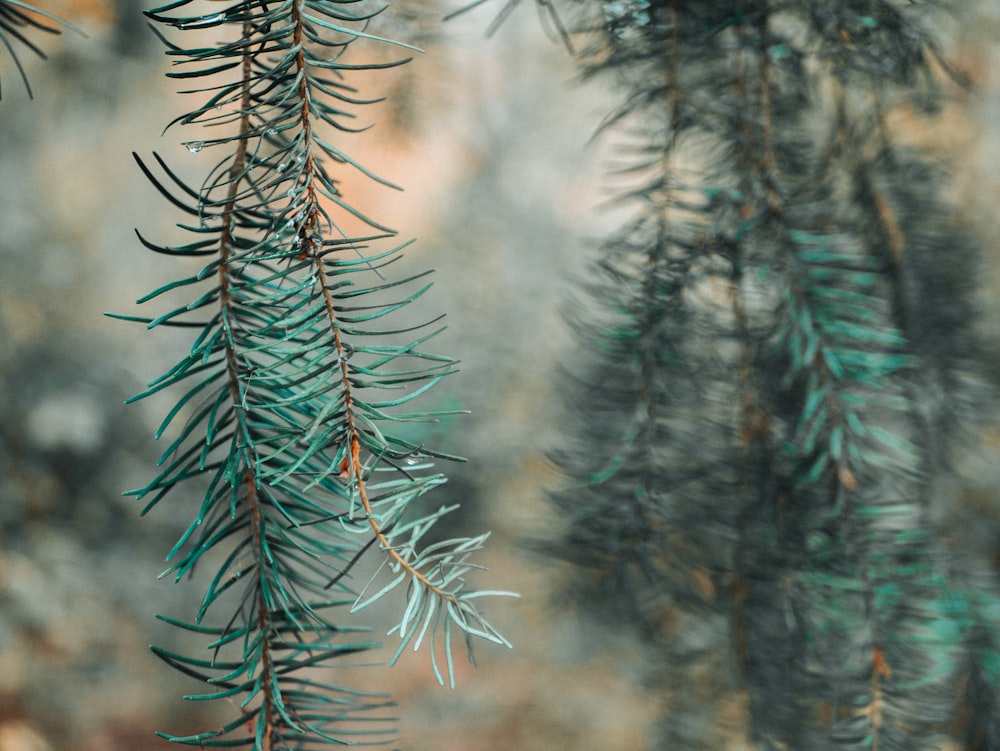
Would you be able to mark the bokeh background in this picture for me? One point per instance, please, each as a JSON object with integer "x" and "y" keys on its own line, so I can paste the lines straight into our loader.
{"x": 491, "y": 138}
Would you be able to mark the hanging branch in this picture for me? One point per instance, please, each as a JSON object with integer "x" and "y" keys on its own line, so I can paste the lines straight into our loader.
{"x": 290, "y": 396}
{"x": 776, "y": 389}
{"x": 652, "y": 475}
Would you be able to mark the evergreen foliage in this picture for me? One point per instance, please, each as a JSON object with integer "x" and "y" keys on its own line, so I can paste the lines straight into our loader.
{"x": 785, "y": 352}
{"x": 781, "y": 351}
{"x": 297, "y": 385}
{"x": 294, "y": 384}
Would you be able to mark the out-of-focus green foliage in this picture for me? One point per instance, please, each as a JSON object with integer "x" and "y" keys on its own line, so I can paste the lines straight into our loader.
{"x": 786, "y": 349}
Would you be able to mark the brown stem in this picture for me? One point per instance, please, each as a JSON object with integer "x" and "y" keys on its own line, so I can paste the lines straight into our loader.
{"x": 226, "y": 245}
{"x": 768, "y": 164}
{"x": 306, "y": 233}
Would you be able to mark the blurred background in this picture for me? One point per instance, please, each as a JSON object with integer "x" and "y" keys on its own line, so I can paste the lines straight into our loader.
{"x": 491, "y": 138}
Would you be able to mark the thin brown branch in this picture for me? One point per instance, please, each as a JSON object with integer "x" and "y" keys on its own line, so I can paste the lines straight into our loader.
{"x": 307, "y": 233}
{"x": 890, "y": 226}
{"x": 226, "y": 245}
{"x": 874, "y": 710}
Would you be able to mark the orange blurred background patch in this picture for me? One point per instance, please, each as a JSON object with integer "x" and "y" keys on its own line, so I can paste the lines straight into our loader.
{"x": 80, "y": 11}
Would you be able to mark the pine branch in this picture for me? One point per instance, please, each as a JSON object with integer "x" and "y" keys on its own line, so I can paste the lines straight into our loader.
{"x": 287, "y": 392}
{"x": 802, "y": 273}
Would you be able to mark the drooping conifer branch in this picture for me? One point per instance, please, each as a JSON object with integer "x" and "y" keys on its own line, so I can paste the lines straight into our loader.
{"x": 815, "y": 523}
{"x": 285, "y": 420}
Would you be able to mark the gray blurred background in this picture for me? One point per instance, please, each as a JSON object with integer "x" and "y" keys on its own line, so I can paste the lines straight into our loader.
{"x": 490, "y": 138}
